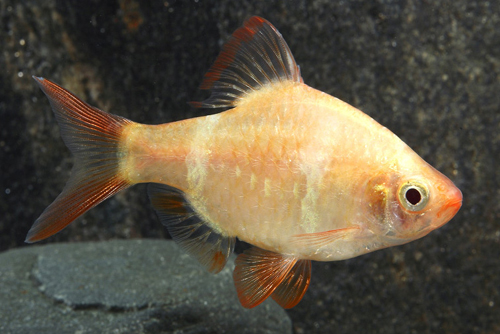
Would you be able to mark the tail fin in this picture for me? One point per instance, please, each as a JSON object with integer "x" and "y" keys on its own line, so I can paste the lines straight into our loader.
{"x": 93, "y": 136}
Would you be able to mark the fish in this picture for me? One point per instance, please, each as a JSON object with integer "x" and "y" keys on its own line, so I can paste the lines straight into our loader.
{"x": 296, "y": 173}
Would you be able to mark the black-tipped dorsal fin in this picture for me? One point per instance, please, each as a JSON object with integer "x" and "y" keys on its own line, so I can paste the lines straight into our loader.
{"x": 254, "y": 57}
{"x": 209, "y": 247}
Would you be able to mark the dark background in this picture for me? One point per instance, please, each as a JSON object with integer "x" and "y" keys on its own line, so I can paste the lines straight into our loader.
{"x": 427, "y": 70}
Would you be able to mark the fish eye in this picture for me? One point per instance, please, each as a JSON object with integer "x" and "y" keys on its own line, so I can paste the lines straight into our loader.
{"x": 413, "y": 196}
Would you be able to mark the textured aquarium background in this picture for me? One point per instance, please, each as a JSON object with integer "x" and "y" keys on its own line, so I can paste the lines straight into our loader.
{"x": 427, "y": 70}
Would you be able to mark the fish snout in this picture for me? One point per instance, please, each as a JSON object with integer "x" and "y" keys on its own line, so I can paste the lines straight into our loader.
{"x": 454, "y": 202}
{"x": 451, "y": 204}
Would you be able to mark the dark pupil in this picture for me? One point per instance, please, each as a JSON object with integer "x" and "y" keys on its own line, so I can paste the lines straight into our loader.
{"x": 413, "y": 196}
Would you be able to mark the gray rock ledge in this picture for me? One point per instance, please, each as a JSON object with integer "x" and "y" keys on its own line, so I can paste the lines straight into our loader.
{"x": 123, "y": 286}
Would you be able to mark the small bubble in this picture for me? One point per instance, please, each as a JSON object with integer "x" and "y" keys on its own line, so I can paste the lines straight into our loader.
{"x": 17, "y": 54}
{"x": 22, "y": 42}
{"x": 9, "y": 8}
{"x": 491, "y": 303}
{"x": 7, "y": 191}
{"x": 20, "y": 74}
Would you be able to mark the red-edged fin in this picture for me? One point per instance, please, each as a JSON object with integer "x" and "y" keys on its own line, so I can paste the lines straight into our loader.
{"x": 258, "y": 273}
{"x": 321, "y": 239}
{"x": 93, "y": 136}
{"x": 255, "y": 56}
{"x": 290, "y": 292}
{"x": 195, "y": 236}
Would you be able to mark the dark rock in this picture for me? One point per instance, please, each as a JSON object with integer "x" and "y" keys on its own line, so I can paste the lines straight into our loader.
{"x": 136, "y": 286}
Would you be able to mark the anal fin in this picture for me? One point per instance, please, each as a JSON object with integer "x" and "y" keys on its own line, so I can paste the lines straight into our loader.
{"x": 195, "y": 236}
{"x": 260, "y": 273}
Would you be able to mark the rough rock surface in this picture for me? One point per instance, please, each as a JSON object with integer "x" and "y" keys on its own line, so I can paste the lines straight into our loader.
{"x": 134, "y": 286}
{"x": 427, "y": 70}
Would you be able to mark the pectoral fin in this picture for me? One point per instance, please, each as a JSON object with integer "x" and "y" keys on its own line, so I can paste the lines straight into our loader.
{"x": 321, "y": 239}
{"x": 260, "y": 274}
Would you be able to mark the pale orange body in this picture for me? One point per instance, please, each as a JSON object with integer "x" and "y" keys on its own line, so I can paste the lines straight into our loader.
{"x": 295, "y": 172}
{"x": 289, "y": 160}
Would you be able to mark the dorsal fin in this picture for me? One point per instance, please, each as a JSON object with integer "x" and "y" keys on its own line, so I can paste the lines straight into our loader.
{"x": 255, "y": 56}
{"x": 209, "y": 247}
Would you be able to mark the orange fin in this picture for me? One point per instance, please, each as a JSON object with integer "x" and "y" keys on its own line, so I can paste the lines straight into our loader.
{"x": 290, "y": 292}
{"x": 255, "y": 56}
{"x": 93, "y": 136}
{"x": 195, "y": 236}
{"x": 321, "y": 239}
{"x": 259, "y": 274}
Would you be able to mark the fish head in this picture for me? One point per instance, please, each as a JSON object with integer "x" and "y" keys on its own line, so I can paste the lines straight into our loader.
{"x": 404, "y": 205}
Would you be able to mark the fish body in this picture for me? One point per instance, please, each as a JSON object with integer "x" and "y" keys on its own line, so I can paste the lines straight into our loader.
{"x": 290, "y": 160}
{"x": 295, "y": 172}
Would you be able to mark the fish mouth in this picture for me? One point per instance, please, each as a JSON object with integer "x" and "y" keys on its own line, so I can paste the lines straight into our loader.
{"x": 455, "y": 205}
{"x": 450, "y": 207}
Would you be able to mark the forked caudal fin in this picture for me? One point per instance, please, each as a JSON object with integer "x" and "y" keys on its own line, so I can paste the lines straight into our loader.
{"x": 93, "y": 136}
